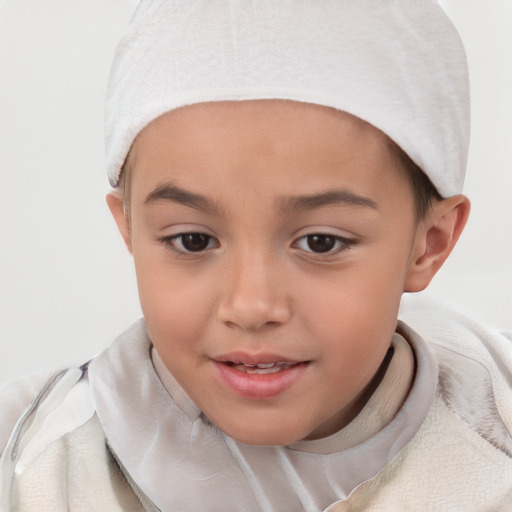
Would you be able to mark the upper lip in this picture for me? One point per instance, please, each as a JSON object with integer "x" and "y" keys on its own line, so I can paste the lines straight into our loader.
{"x": 253, "y": 359}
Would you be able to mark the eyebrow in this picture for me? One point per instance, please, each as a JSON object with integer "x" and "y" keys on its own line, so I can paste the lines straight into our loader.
{"x": 171, "y": 192}
{"x": 328, "y": 198}
{"x": 296, "y": 204}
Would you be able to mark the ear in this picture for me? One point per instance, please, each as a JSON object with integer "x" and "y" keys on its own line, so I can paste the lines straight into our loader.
{"x": 436, "y": 236}
{"x": 116, "y": 207}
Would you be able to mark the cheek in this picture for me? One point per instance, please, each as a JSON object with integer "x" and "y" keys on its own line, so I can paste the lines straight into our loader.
{"x": 176, "y": 305}
{"x": 357, "y": 307}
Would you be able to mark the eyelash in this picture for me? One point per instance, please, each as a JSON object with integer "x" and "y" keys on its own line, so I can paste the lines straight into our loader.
{"x": 341, "y": 244}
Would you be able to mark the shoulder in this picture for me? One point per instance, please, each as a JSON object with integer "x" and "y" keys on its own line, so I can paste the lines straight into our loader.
{"x": 444, "y": 328}
{"x": 15, "y": 397}
{"x": 474, "y": 368}
{"x": 44, "y": 402}
{"x": 24, "y": 396}
{"x": 59, "y": 439}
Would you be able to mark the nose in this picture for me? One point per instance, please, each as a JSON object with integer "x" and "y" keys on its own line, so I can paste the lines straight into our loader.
{"x": 254, "y": 295}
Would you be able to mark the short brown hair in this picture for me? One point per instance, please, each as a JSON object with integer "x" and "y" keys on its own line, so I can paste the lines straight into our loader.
{"x": 423, "y": 189}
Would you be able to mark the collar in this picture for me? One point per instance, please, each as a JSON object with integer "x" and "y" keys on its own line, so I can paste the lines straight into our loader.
{"x": 180, "y": 461}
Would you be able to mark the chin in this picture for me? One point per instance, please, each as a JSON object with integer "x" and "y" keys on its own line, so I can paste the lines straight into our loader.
{"x": 263, "y": 437}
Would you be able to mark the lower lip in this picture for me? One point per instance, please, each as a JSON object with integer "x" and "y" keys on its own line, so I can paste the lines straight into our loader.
{"x": 258, "y": 386}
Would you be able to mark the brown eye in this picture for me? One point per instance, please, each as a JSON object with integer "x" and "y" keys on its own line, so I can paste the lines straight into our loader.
{"x": 189, "y": 243}
{"x": 194, "y": 242}
{"x": 321, "y": 243}
{"x": 324, "y": 243}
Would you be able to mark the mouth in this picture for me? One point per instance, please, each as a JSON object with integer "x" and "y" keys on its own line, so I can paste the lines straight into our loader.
{"x": 258, "y": 380}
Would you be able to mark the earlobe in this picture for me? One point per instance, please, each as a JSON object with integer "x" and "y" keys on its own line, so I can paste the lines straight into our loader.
{"x": 116, "y": 207}
{"x": 435, "y": 239}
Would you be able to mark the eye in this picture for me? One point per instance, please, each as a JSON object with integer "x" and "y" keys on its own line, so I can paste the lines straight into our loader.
{"x": 321, "y": 243}
{"x": 191, "y": 242}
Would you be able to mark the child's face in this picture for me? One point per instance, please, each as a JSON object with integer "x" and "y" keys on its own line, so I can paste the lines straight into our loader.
{"x": 270, "y": 232}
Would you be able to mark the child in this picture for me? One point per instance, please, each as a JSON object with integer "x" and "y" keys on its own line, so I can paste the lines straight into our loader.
{"x": 283, "y": 172}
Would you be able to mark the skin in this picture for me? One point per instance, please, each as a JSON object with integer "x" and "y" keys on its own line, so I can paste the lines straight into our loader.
{"x": 261, "y": 287}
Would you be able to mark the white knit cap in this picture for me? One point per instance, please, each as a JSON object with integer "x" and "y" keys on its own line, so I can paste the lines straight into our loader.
{"x": 397, "y": 64}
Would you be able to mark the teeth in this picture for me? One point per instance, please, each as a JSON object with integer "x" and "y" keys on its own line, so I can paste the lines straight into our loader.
{"x": 275, "y": 368}
{"x": 268, "y": 365}
{"x": 262, "y": 368}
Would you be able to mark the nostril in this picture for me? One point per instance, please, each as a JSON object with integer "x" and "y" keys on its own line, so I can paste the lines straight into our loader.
{"x": 251, "y": 326}
{"x": 253, "y": 303}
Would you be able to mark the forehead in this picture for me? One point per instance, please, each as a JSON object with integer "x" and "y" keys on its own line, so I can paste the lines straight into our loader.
{"x": 250, "y": 117}
{"x": 287, "y": 142}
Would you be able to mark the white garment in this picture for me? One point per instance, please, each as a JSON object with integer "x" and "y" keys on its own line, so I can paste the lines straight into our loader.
{"x": 449, "y": 448}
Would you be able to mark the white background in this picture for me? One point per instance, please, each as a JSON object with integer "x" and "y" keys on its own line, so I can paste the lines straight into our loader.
{"x": 67, "y": 286}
